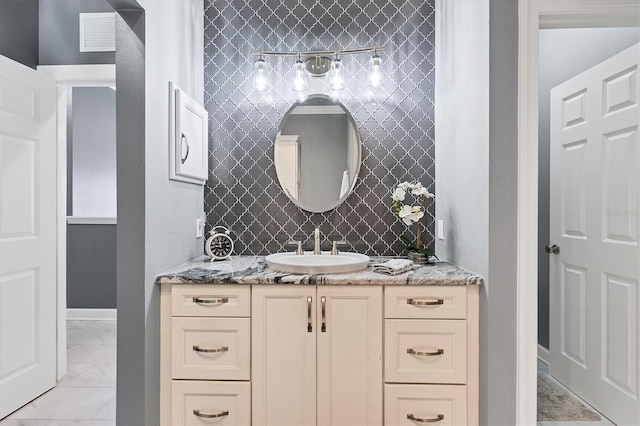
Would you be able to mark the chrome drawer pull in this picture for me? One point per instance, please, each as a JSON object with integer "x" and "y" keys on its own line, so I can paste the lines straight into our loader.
{"x": 415, "y": 302}
{"x": 210, "y": 351}
{"x": 323, "y": 329}
{"x": 421, "y": 420}
{"x": 309, "y": 328}
{"x": 411, "y": 351}
{"x": 210, "y": 416}
{"x": 212, "y": 301}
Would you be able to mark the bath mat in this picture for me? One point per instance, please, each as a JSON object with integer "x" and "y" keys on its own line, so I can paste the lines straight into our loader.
{"x": 556, "y": 404}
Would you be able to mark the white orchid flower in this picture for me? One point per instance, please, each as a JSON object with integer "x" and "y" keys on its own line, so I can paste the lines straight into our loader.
{"x": 410, "y": 214}
{"x": 405, "y": 185}
{"x": 419, "y": 190}
{"x": 398, "y": 194}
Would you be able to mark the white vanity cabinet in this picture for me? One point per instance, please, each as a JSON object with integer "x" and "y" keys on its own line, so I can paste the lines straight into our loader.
{"x": 205, "y": 355}
{"x": 270, "y": 354}
{"x": 317, "y": 355}
{"x": 431, "y": 355}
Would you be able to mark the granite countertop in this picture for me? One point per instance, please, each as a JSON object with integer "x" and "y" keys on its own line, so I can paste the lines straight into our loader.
{"x": 254, "y": 270}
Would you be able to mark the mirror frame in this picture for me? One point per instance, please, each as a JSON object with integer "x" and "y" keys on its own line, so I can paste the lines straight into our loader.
{"x": 358, "y": 152}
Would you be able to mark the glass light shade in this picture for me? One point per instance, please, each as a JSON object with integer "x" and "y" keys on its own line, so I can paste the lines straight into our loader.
{"x": 375, "y": 73}
{"x": 300, "y": 81}
{"x": 336, "y": 78}
{"x": 260, "y": 75}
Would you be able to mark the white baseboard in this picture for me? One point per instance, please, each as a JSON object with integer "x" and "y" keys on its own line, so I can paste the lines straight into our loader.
{"x": 91, "y": 314}
{"x": 543, "y": 353}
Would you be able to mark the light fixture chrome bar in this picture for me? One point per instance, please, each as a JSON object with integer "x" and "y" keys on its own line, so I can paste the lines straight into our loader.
{"x": 320, "y": 52}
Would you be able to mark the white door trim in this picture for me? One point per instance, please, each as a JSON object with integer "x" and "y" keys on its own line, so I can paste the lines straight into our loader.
{"x": 67, "y": 77}
{"x": 534, "y": 15}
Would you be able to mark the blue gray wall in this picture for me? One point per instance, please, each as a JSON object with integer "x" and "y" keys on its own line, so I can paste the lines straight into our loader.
{"x": 19, "y": 31}
{"x": 396, "y": 120}
{"x": 59, "y": 32}
{"x": 91, "y": 266}
{"x": 564, "y": 53}
{"x": 91, "y": 248}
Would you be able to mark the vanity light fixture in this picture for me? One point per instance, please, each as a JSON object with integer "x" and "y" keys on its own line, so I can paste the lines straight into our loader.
{"x": 300, "y": 80}
{"x": 260, "y": 74}
{"x": 317, "y": 64}
{"x": 375, "y": 74}
{"x": 336, "y": 79}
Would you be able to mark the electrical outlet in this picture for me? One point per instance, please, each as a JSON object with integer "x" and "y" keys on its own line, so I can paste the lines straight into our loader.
{"x": 199, "y": 228}
{"x": 441, "y": 229}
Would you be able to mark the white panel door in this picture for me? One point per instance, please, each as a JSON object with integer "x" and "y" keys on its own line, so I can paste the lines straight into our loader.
{"x": 283, "y": 355}
{"x": 349, "y": 334}
{"x": 27, "y": 235}
{"x": 595, "y": 215}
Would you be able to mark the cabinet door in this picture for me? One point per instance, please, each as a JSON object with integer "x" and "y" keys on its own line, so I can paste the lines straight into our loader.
{"x": 283, "y": 358}
{"x": 349, "y": 355}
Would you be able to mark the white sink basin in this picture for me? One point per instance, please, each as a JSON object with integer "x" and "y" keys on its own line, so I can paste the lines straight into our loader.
{"x": 324, "y": 263}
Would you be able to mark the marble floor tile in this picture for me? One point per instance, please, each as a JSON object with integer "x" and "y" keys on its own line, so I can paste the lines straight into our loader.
{"x": 63, "y": 403}
{"x": 99, "y": 375}
{"x": 74, "y": 369}
{"x": 81, "y": 423}
{"x": 107, "y": 412}
{"x": 91, "y": 353}
{"x": 21, "y": 422}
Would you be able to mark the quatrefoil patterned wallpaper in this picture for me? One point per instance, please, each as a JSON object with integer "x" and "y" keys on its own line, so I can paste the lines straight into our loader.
{"x": 396, "y": 121}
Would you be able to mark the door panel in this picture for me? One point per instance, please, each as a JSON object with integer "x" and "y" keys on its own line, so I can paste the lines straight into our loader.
{"x": 349, "y": 355}
{"x": 283, "y": 355}
{"x": 27, "y": 235}
{"x": 595, "y": 192}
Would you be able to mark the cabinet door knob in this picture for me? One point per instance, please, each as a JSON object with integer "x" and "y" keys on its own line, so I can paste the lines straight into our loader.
{"x": 199, "y": 413}
{"x": 416, "y": 302}
{"x": 412, "y": 351}
{"x": 210, "y": 351}
{"x": 421, "y": 420}
{"x": 210, "y": 300}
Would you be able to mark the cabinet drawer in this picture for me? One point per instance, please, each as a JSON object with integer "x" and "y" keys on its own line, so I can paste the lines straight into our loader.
{"x": 210, "y": 301}
{"x": 425, "y": 351}
{"x": 425, "y": 302}
{"x": 210, "y": 348}
{"x": 231, "y": 401}
{"x": 425, "y": 402}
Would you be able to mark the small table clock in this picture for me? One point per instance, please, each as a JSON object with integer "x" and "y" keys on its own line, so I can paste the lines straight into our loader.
{"x": 219, "y": 245}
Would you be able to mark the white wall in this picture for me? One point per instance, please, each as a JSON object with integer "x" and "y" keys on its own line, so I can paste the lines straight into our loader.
{"x": 476, "y": 175}
{"x": 160, "y": 228}
{"x": 93, "y": 159}
{"x": 564, "y": 53}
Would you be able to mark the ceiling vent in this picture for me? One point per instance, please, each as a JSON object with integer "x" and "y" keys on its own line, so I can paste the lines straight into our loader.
{"x": 98, "y": 32}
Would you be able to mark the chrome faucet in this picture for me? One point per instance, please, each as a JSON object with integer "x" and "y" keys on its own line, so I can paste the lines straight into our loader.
{"x": 316, "y": 241}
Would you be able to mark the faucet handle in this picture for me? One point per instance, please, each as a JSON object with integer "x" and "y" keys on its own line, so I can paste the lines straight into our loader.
{"x": 298, "y": 243}
{"x": 334, "y": 247}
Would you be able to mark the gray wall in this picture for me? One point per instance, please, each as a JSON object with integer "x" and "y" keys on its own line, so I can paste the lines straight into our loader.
{"x": 396, "y": 120}
{"x": 156, "y": 216}
{"x": 476, "y": 175}
{"x": 59, "y": 32}
{"x": 564, "y": 53}
{"x": 19, "y": 31}
{"x": 323, "y": 153}
{"x": 91, "y": 266}
{"x": 93, "y": 183}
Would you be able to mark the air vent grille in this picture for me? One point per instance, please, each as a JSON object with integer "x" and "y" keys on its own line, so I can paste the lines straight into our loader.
{"x": 98, "y": 32}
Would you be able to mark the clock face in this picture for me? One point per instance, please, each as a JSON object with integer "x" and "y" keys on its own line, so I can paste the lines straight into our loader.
{"x": 219, "y": 246}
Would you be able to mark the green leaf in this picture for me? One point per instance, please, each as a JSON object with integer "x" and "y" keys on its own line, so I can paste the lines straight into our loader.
{"x": 407, "y": 243}
{"x": 426, "y": 251}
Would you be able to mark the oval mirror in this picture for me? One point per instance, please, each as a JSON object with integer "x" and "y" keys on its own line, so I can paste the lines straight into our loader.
{"x": 317, "y": 153}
